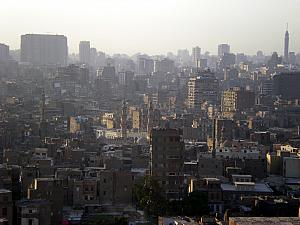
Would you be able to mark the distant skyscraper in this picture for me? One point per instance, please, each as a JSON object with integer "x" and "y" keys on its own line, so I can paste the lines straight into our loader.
{"x": 183, "y": 56}
{"x": 196, "y": 54}
{"x": 144, "y": 65}
{"x": 93, "y": 57}
{"x": 286, "y": 46}
{"x": 44, "y": 49}
{"x": 4, "y": 52}
{"x": 222, "y": 49}
{"x": 84, "y": 52}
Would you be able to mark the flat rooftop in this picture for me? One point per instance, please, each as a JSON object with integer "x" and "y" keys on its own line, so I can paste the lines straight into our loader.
{"x": 259, "y": 187}
{"x": 264, "y": 220}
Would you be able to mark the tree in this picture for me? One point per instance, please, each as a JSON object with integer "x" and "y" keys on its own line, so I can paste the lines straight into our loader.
{"x": 150, "y": 197}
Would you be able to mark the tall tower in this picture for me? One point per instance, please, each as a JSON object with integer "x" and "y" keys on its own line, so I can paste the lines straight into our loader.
{"x": 286, "y": 45}
{"x": 196, "y": 55}
{"x": 123, "y": 120}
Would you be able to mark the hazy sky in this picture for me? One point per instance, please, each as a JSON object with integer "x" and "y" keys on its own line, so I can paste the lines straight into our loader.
{"x": 156, "y": 26}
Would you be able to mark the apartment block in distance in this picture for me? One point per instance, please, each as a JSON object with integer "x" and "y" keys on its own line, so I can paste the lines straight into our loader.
{"x": 44, "y": 49}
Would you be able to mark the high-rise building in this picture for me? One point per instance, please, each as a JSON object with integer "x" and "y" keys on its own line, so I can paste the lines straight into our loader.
{"x": 84, "y": 52}
{"x": 286, "y": 46}
{"x": 236, "y": 99}
{"x": 108, "y": 74}
{"x": 223, "y": 131}
{"x": 144, "y": 65}
{"x": 167, "y": 148}
{"x": 94, "y": 57}
{"x": 4, "y": 52}
{"x": 196, "y": 55}
{"x": 44, "y": 49}
{"x": 222, "y": 49}
{"x": 227, "y": 60}
{"x": 183, "y": 56}
{"x": 165, "y": 65}
{"x": 203, "y": 87}
{"x": 125, "y": 78}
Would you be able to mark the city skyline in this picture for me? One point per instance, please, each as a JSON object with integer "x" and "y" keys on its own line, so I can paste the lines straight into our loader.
{"x": 123, "y": 26}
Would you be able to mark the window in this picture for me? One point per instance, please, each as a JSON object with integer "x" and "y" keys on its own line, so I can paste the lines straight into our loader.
{"x": 104, "y": 192}
{"x": 104, "y": 181}
{"x": 30, "y": 222}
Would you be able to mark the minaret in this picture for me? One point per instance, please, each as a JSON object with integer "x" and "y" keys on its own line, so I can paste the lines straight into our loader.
{"x": 286, "y": 45}
{"x": 124, "y": 120}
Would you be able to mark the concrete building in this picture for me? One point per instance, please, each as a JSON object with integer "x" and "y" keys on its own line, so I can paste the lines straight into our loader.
{"x": 222, "y": 49}
{"x": 124, "y": 120}
{"x": 4, "y": 52}
{"x": 85, "y": 192}
{"x": 125, "y": 78}
{"x": 145, "y": 65}
{"x": 6, "y": 206}
{"x": 235, "y": 100}
{"x": 242, "y": 185}
{"x": 212, "y": 187}
{"x": 137, "y": 119}
{"x": 223, "y": 129}
{"x": 202, "y": 88}
{"x": 115, "y": 187}
{"x": 50, "y": 189}
{"x": 44, "y": 49}
{"x": 166, "y": 161}
{"x": 84, "y": 52}
{"x": 164, "y": 66}
{"x": 286, "y": 85}
{"x": 33, "y": 212}
{"x": 291, "y": 167}
{"x": 202, "y": 64}
{"x": 196, "y": 55}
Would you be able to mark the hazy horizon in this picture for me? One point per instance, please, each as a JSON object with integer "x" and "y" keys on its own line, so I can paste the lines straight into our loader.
{"x": 156, "y": 27}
